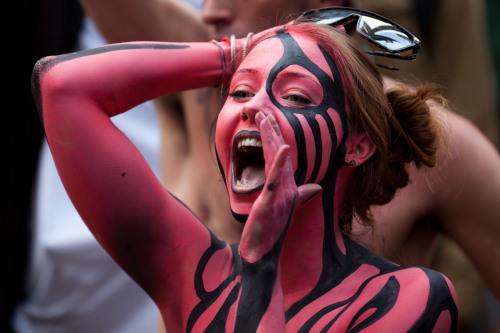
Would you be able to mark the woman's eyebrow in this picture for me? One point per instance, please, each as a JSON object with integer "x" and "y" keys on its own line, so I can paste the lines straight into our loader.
{"x": 291, "y": 75}
{"x": 297, "y": 75}
{"x": 243, "y": 72}
{"x": 246, "y": 70}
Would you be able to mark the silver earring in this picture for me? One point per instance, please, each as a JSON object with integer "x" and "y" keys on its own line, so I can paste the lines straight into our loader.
{"x": 352, "y": 163}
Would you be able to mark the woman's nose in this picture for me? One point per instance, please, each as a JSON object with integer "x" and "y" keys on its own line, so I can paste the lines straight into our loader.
{"x": 248, "y": 114}
{"x": 258, "y": 103}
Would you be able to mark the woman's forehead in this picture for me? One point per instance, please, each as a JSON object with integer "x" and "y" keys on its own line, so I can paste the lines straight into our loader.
{"x": 270, "y": 50}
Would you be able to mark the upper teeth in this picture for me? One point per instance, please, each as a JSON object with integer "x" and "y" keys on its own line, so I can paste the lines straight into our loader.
{"x": 249, "y": 142}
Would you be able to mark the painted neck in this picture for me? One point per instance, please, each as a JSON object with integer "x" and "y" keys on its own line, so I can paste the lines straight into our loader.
{"x": 314, "y": 237}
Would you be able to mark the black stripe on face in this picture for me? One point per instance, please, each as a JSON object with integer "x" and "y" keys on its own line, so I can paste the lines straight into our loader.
{"x": 333, "y": 97}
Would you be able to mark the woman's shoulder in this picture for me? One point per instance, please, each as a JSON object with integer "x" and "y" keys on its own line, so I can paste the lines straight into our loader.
{"x": 415, "y": 299}
{"x": 419, "y": 282}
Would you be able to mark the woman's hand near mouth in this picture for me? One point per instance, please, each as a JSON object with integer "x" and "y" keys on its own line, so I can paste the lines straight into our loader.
{"x": 273, "y": 210}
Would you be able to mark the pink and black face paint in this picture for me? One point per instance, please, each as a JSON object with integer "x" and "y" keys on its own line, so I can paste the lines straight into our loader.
{"x": 333, "y": 98}
{"x": 333, "y": 101}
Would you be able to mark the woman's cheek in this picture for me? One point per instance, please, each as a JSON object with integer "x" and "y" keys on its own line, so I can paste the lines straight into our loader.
{"x": 224, "y": 133}
{"x": 289, "y": 137}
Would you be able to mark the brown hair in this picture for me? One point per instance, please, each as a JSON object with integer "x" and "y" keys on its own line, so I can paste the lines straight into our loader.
{"x": 398, "y": 123}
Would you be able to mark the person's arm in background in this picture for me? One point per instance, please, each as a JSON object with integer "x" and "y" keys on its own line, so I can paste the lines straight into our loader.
{"x": 466, "y": 189}
{"x": 160, "y": 20}
{"x": 152, "y": 20}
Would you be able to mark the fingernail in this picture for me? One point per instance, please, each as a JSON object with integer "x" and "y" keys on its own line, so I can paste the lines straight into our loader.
{"x": 259, "y": 116}
{"x": 272, "y": 119}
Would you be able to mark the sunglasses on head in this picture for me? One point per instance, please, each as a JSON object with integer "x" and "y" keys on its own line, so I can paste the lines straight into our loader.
{"x": 393, "y": 40}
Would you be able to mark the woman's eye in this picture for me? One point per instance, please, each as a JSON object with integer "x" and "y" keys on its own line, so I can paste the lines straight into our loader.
{"x": 297, "y": 99}
{"x": 240, "y": 95}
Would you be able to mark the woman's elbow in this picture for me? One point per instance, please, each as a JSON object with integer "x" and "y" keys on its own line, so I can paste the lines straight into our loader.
{"x": 53, "y": 84}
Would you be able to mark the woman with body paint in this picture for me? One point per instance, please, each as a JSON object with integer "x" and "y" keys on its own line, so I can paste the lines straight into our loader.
{"x": 306, "y": 140}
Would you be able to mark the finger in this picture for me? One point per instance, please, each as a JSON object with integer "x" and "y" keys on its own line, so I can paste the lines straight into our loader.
{"x": 275, "y": 127}
{"x": 278, "y": 164}
{"x": 267, "y": 131}
{"x": 278, "y": 141}
{"x": 270, "y": 142}
{"x": 259, "y": 116}
{"x": 275, "y": 174}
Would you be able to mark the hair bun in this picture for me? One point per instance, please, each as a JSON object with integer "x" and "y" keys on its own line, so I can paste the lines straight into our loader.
{"x": 414, "y": 132}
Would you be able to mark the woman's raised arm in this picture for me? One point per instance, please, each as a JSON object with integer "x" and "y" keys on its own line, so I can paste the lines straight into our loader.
{"x": 142, "y": 226}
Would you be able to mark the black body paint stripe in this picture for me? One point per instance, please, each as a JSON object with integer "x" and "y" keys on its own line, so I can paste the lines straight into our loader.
{"x": 221, "y": 170}
{"x": 439, "y": 301}
{"x": 318, "y": 150}
{"x": 383, "y": 302}
{"x": 258, "y": 284}
{"x": 208, "y": 298}
{"x": 333, "y": 98}
{"x": 242, "y": 218}
{"x": 218, "y": 324}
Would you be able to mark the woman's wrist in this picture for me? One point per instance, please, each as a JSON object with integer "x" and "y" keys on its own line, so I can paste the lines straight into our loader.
{"x": 233, "y": 51}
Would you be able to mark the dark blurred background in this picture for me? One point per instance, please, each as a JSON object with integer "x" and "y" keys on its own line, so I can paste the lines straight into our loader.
{"x": 38, "y": 28}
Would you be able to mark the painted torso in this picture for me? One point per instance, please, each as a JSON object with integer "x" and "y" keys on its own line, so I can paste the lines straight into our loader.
{"x": 360, "y": 292}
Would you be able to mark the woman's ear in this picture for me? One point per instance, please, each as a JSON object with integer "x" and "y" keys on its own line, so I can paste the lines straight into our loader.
{"x": 359, "y": 149}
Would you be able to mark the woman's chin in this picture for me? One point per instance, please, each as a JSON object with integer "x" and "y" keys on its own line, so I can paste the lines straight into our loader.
{"x": 241, "y": 205}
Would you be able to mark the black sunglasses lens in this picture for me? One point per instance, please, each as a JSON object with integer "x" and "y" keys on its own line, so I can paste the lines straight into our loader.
{"x": 384, "y": 34}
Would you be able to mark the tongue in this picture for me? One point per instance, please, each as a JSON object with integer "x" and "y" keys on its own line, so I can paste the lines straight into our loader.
{"x": 252, "y": 175}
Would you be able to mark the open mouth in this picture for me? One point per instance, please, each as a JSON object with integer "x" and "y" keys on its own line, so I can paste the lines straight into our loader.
{"x": 248, "y": 166}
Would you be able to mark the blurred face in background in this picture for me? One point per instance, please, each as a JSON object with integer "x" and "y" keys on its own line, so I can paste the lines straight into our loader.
{"x": 239, "y": 17}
